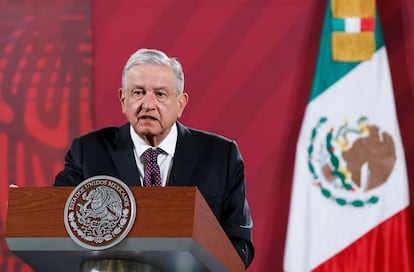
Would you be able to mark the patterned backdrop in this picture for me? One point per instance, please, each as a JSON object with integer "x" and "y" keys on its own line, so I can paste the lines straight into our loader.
{"x": 45, "y": 92}
{"x": 248, "y": 67}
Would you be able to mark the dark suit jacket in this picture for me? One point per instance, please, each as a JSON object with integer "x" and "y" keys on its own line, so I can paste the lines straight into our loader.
{"x": 208, "y": 161}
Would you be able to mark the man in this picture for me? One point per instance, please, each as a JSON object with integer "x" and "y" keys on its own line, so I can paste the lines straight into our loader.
{"x": 152, "y": 98}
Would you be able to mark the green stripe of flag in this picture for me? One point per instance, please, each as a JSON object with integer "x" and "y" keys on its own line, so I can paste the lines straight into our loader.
{"x": 327, "y": 71}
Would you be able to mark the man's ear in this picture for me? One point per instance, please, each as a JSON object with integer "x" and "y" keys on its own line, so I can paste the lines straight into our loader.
{"x": 121, "y": 96}
{"x": 182, "y": 102}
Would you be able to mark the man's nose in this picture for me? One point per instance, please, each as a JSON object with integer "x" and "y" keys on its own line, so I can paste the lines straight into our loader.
{"x": 149, "y": 100}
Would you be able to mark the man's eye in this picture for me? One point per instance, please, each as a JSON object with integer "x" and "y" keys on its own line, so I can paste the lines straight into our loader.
{"x": 161, "y": 94}
{"x": 137, "y": 92}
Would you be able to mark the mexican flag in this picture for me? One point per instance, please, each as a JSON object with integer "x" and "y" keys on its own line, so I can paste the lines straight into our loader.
{"x": 350, "y": 197}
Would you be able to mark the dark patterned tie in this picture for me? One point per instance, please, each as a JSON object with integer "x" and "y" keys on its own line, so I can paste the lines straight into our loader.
{"x": 152, "y": 174}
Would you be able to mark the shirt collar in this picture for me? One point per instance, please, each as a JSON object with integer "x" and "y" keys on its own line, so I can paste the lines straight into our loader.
{"x": 168, "y": 144}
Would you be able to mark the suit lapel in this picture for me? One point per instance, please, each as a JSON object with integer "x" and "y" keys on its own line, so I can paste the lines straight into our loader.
{"x": 184, "y": 158}
{"x": 123, "y": 157}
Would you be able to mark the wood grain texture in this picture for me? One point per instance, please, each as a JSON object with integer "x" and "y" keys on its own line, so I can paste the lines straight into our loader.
{"x": 169, "y": 212}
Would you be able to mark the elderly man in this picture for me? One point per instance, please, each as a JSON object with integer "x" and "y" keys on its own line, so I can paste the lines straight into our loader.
{"x": 152, "y": 98}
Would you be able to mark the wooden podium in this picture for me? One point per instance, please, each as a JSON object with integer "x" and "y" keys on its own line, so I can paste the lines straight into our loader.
{"x": 174, "y": 230}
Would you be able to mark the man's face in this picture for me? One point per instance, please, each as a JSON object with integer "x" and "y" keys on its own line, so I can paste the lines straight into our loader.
{"x": 150, "y": 101}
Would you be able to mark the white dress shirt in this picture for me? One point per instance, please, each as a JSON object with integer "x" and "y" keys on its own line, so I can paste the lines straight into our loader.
{"x": 165, "y": 159}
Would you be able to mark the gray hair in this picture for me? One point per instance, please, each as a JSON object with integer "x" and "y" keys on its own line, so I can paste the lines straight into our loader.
{"x": 153, "y": 56}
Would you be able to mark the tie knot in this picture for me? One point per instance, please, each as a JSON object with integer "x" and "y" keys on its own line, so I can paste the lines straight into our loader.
{"x": 151, "y": 154}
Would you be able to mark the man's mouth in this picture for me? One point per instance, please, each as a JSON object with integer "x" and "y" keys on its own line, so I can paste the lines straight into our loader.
{"x": 148, "y": 118}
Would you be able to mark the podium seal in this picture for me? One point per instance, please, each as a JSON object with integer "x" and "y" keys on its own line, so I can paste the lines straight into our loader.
{"x": 100, "y": 212}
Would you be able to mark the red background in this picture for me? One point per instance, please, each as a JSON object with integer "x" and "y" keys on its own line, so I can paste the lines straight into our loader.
{"x": 248, "y": 68}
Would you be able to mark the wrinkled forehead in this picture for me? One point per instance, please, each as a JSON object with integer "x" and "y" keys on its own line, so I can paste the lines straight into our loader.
{"x": 151, "y": 76}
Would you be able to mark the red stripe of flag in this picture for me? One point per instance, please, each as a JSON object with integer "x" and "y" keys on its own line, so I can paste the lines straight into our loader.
{"x": 385, "y": 248}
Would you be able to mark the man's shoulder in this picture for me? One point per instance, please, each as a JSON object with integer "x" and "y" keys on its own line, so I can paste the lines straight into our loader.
{"x": 109, "y": 133}
{"x": 204, "y": 135}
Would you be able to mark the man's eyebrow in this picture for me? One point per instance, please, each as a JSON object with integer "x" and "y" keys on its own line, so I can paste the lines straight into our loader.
{"x": 138, "y": 86}
{"x": 160, "y": 88}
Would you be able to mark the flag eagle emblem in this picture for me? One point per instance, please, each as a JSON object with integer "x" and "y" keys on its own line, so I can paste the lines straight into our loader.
{"x": 348, "y": 162}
